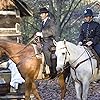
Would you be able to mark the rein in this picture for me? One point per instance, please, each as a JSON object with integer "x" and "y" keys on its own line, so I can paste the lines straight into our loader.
{"x": 23, "y": 48}
{"x": 74, "y": 68}
{"x": 83, "y": 61}
{"x": 75, "y": 60}
{"x": 27, "y": 44}
{"x": 19, "y": 53}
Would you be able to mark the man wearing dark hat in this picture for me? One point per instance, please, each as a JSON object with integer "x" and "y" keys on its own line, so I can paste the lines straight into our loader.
{"x": 90, "y": 32}
{"x": 48, "y": 33}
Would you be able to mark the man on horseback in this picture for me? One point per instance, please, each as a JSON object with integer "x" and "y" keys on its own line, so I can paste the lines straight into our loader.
{"x": 90, "y": 32}
{"x": 47, "y": 34}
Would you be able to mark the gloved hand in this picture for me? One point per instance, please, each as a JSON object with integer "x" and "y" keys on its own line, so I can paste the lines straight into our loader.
{"x": 89, "y": 43}
{"x": 39, "y": 34}
{"x": 80, "y": 43}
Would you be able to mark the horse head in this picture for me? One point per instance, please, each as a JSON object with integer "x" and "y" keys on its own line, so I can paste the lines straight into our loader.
{"x": 62, "y": 54}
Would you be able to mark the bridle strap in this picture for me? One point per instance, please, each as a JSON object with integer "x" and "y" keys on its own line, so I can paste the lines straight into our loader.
{"x": 83, "y": 61}
{"x": 75, "y": 60}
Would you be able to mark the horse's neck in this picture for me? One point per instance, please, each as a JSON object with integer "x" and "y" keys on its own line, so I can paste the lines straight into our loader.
{"x": 75, "y": 51}
{"x": 72, "y": 48}
{"x": 3, "y": 45}
{"x": 7, "y": 46}
{"x": 11, "y": 49}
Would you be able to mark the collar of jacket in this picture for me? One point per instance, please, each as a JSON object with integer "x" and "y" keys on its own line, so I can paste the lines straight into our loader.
{"x": 44, "y": 21}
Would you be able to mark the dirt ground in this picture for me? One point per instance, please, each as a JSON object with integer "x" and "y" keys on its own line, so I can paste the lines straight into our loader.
{"x": 50, "y": 90}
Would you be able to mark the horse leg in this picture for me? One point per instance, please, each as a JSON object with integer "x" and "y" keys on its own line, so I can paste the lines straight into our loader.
{"x": 28, "y": 87}
{"x": 78, "y": 90}
{"x": 35, "y": 91}
{"x": 85, "y": 89}
{"x": 62, "y": 85}
{"x": 61, "y": 80}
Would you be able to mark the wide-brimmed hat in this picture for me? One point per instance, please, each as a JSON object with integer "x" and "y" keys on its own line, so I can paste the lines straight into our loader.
{"x": 43, "y": 10}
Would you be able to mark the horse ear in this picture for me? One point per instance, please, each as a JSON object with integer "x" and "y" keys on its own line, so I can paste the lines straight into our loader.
{"x": 54, "y": 42}
{"x": 64, "y": 41}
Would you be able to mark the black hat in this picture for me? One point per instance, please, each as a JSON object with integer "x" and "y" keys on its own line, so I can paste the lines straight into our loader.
{"x": 88, "y": 12}
{"x": 43, "y": 10}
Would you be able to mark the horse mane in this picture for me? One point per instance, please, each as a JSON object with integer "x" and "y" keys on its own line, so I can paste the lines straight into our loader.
{"x": 16, "y": 46}
{"x": 10, "y": 42}
{"x": 71, "y": 47}
{"x": 71, "y": 44}
{"x": 76, "y": 48}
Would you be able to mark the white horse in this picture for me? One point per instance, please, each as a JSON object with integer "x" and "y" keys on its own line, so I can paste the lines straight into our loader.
{"x": 83, "y": 65}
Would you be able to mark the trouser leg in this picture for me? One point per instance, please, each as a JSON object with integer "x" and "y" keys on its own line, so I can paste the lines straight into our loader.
{"x": 51, "y": 62}
{"x": 53, "y": 59}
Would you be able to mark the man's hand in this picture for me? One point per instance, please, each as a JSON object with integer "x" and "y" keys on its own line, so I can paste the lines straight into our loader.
{"x": 89, "y": 43}
{"x": 80, "y": 43}
{"x": 39, "y": 34}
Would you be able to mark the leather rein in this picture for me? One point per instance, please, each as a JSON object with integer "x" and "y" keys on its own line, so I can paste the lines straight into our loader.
{"x": 89, "y": 58}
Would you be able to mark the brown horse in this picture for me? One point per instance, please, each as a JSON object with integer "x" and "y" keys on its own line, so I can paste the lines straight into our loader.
{"x": 29, "y": 66}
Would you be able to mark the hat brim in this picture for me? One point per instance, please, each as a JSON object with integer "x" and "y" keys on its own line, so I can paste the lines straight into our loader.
{"x": 87, "y": 15}
{"x": 43, "y": 12}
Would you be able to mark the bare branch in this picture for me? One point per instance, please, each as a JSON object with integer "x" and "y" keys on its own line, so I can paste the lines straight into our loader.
{"x": 70, "y": 15}
{"x": 67, "y": 13}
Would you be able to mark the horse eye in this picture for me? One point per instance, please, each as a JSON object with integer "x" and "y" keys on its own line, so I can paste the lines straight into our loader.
{"x": 63, "y": 53}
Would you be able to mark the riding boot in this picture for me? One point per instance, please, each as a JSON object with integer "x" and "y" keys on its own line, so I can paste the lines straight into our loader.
{"x": 53, "y": 59}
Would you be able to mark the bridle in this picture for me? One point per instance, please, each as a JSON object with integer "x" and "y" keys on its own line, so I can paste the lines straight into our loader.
{"x": 74, "y": 68}
{"x": 67, "y": 51}
{"x": 76, "y": 79}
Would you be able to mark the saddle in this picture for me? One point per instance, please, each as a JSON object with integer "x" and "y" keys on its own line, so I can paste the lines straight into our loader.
{"x": 39, "y": 54}
{"x": 38, "y": 51}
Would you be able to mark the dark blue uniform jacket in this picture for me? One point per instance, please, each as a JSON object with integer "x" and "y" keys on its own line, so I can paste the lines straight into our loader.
{"x": 90, "y": 31}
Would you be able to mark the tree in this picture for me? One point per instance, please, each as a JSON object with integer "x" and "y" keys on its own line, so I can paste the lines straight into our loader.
{"x": 61, "y": 9}
{"x": 67, "y": 13}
